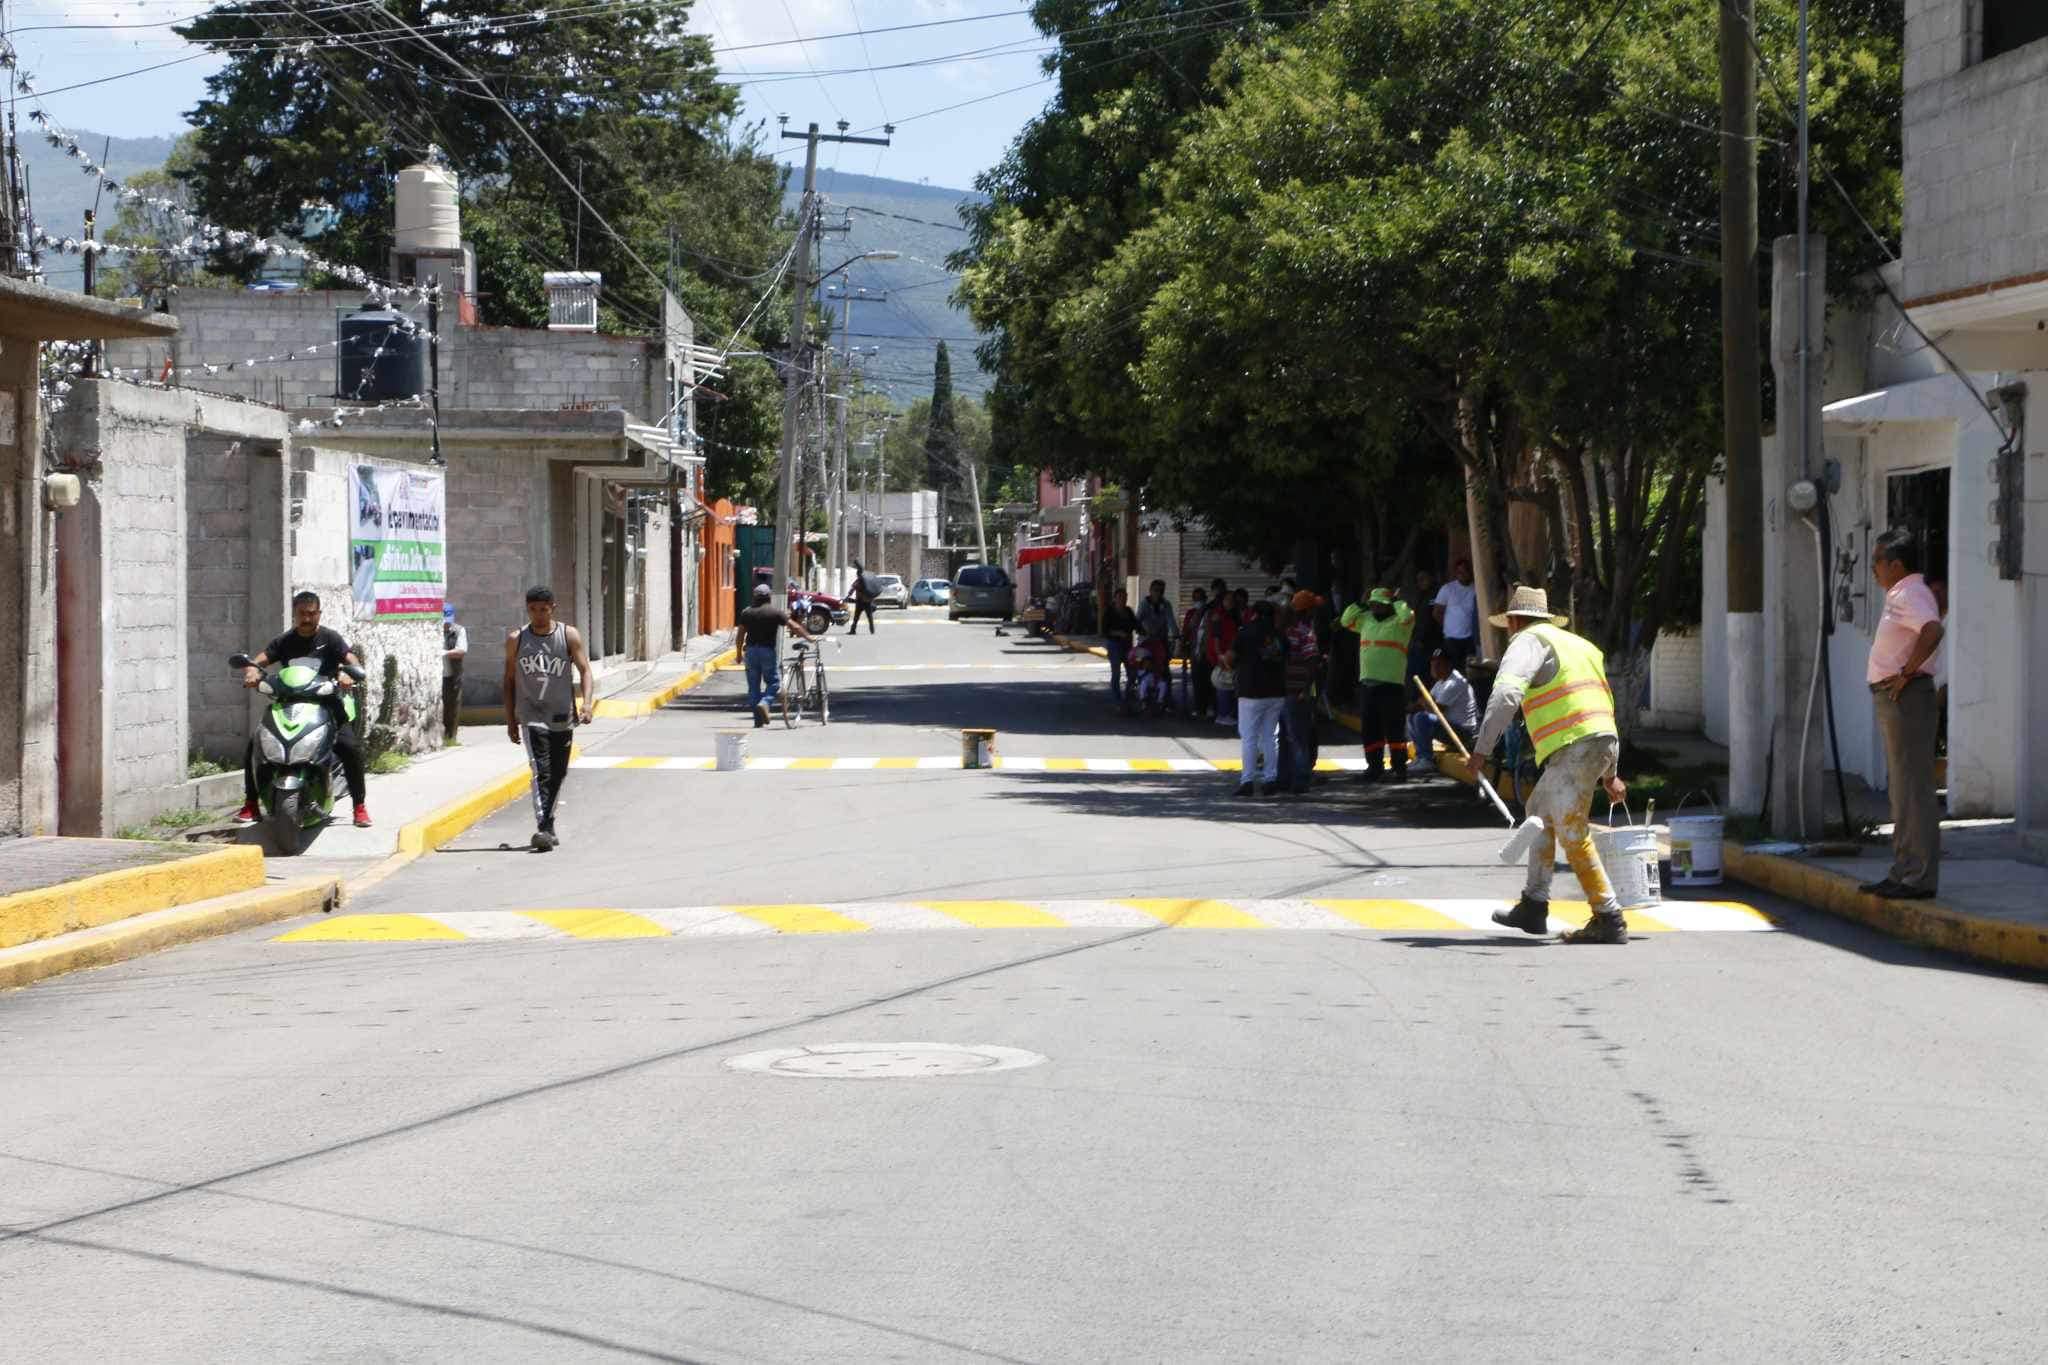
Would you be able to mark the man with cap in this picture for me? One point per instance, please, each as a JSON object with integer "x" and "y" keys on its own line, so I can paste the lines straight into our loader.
{"x": 454, "y": 649}
{"x": 1559, "y": 680}
{"x": 1383, "y": 626}
{"x": 754, "y": 640}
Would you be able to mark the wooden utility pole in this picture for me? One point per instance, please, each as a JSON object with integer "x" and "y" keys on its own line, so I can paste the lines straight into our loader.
{"x": 1742, "y": 411}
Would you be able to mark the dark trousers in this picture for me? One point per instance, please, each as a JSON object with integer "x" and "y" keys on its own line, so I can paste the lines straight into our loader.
{"x": 1205, "y": 688}
{"x": 1458, "y": 651}
{"x": 1908, "y": 726}
{"x": 451, "y": 706}
{"x": 1299, "y": 746}
{"x": 862, "y": 609}
{"x": 1383, "y": 714}
{"x": 547, "y": 752}
{"x": 346, "y": 748}
{"x": 1119, "y": 655}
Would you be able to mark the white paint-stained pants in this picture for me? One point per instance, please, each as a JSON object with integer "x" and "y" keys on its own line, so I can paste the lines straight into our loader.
{"x": 1560, "y": 800}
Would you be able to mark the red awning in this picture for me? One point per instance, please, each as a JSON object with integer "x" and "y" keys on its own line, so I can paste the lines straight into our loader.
{"x": 1037, "y": 554}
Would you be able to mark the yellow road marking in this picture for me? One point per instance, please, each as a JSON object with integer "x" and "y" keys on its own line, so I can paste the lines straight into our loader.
{"x": 1150, "y": 765}
{"x": 996, "y": 914}
{"x": 1389, "y": 914}
{"x": 639, "y": 763}
{"x": 598, "y": 923}
{"x": 800, "y": 919}
{"x": 1197, "y": 914}
{"x": 1066, "y": 765}
{"x": 895, "y": 763}
{"x": 812, "y": 765}
{"x": 371, "y": 929}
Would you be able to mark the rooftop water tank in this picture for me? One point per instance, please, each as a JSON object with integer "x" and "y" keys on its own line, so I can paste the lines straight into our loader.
{"x": 429, "y": 215}
{"x": 381, "y": 356}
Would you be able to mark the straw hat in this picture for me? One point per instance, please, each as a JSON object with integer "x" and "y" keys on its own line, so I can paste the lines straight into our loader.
{"x": 1531, "y": 603}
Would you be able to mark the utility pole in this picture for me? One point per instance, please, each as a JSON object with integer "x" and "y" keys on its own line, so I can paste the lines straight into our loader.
{"x": 799, "y": 350}
{"x": 980, "y": 525}
{"x": 837, "y": 546}
{"x": 1742, "y": 412}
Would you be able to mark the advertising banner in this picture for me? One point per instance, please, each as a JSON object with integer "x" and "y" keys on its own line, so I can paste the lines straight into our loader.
{"x": 398, "y": 564}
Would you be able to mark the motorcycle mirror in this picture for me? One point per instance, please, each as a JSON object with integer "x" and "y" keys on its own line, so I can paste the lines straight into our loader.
{"x": 240, "y": 661}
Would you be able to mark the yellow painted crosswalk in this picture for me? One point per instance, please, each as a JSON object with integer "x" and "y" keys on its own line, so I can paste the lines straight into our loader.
{"x": 709, "y": 921}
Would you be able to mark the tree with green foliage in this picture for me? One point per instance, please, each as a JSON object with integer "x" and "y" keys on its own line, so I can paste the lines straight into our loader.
{"x": 142, "y": 223}
{"x": 942, "y": 467}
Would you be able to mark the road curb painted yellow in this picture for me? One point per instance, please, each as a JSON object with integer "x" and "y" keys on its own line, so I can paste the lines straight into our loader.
{"x": 631, "y": 708}
{"x": 89, "y": 902}
{"x": 145, "y": 933}
{"x": 1930, "y": 923}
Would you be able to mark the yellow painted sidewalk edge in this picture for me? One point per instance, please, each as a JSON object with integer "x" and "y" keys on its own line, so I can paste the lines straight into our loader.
{"x": 630, "y": 708}
{"x": 29, "y": 916}
{"x": 1925, "y": 922}
{"x": 146, "y": 933}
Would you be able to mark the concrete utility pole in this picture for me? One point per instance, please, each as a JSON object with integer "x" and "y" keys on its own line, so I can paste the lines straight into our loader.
{"x": 980, "y": 523}
{"x": 1742, "y": 412}
{"x": 837, "y": 545}
{"x": 1795, "y": 568}
{"x": 799, "y": 349}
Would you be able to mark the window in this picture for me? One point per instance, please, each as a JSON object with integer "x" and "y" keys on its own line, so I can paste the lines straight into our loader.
{"x": 1918, "y": 502}
{"x": 982, "y": 577}
{"x": 2012, "y": 24}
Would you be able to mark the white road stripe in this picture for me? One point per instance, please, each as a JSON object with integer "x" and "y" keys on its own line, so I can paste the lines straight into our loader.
{"x": 855, "y": 764}
{"x": 1096, "y": 914}
{"x": 895, "y": 915}
{"x": 1021, "y": 765}
{"x": 598, "y": 760}
{"x": 1191, "y": 765}
{"x": 938, "y": 763}
{"x": 698, "y": 921}
{"x": 1708, "y": 916}
{"x": 494, "y": 924}
{"x": 691, "y": 765}
{"x": 1293, "y": 914}
{"x": 769, "y": 765}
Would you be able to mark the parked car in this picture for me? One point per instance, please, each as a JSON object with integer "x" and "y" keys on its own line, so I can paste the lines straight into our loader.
{"x": 931, "y": 592}
{"x": 889, "y": 591}
{"x": 982, "y": 590}
{"x": 818, "y": 611}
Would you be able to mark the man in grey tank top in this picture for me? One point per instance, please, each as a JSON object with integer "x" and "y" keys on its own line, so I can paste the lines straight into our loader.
{"x": 541, "y": 707}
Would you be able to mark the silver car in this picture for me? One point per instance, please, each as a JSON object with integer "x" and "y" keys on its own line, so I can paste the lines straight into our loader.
{"x": 931, "y": 592}
{"x": 889, "y": 590}
{"x": 982, "y": 590}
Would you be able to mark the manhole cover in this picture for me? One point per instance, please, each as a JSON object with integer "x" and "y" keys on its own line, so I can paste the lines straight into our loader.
{"x": 883, "y": 1061}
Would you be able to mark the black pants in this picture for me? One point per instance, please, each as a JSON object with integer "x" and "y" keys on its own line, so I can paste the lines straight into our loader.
{"x": 1383, "y": 717}
{"x": 548, "y": 753}
{"x": 451, "y": 706}
{"x": 860, "y": 608}
{"x": 1205, "y": 690}
{"x": 1458, "y": 650}
{"x": 346, "y": 749}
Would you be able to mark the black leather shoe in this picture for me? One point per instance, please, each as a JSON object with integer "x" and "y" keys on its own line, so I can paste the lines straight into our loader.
{"x": 1899, "y": 891}
{"x": 1882, "y": 887}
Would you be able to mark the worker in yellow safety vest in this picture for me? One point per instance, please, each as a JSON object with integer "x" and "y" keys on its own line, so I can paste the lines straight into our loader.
{"x": 1559, "y": 680}
{"x": 1383, "y": 625}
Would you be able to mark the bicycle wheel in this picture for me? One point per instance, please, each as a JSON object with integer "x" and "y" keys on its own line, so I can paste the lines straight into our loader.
{"x": 824, "y": 696}
{"x": 793, "y": 694}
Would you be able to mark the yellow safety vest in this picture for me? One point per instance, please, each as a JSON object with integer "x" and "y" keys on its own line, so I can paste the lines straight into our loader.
{"x": 1382, "y": 645}
{"x": 1574, "y": 704}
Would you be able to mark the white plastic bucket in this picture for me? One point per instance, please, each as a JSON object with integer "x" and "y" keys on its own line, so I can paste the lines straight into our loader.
{"x": 977, "y": 748}
{"x": 1630, "y": 856}
{"x": 732, "y": 750}
{"x": 1696, "y": 850}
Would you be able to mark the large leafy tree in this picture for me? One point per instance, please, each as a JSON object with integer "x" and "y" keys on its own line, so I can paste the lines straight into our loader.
{"x": 324, "y": 104}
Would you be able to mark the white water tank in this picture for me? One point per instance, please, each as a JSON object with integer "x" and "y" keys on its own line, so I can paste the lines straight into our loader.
{"x": 429, "y": 216}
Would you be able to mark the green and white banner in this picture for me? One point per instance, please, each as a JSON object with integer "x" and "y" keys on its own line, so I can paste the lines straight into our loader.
{"x": 398, "y": 558}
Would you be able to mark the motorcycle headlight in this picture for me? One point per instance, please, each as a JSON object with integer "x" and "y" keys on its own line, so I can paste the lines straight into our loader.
{"x": 273, "y": 751}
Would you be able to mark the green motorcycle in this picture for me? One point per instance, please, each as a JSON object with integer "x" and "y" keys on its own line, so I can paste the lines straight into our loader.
{"x": 300, "y": 774}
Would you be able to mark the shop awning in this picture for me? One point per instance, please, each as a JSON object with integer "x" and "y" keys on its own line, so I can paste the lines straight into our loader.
{"x": 1038, "y": 554}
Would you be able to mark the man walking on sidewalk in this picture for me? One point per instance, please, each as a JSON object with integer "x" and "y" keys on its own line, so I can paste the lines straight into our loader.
{"x": 541, "y": 709}
{"x": 754, "y": 639}
{"x": 862, "y": 600}
{"x": 1383, "y": 626}
{"x": 1901, "y": 678}
{"x": 454, "y": 649}
{"x": 1560, "y": 683}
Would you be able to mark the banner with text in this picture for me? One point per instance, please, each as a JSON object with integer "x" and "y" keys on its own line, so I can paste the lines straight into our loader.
{"x": 398, "y": 563}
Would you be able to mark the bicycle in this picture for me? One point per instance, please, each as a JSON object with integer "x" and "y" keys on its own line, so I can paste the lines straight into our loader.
{"x": 803, "y": 686}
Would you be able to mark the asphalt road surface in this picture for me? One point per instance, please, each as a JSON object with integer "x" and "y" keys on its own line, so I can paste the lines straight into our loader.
{"x": 1086, "y": 1062}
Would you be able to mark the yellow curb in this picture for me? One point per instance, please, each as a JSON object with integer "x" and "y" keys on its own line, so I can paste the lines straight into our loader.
{"x": 450, "y": 821}
{"x": 630, "y": 708}
{"x": 45, "y": 912}
{"x": 146, "y": 933}
{"x": 1925, "y": 922}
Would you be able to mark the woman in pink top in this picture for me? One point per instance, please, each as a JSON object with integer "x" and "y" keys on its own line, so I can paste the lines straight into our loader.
{"x": 1901, "y": 678}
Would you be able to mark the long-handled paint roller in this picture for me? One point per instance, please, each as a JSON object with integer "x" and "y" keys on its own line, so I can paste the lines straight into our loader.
{"x": 1516, "y": 849}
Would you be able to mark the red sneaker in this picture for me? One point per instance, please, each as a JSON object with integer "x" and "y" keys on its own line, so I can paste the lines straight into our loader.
{"x": 247, "y": 814}
{"x": 362, "y": 817}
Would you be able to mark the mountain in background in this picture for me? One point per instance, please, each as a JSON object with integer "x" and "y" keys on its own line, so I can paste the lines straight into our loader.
{"x": 61, "y": 191}
{"x": 920, "y": 221}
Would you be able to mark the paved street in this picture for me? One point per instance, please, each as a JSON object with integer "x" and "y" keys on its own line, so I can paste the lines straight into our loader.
{"x": 1273, "y": 1094}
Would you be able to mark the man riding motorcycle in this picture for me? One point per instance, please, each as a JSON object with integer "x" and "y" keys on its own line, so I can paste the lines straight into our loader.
{"x": 327, "y": 651}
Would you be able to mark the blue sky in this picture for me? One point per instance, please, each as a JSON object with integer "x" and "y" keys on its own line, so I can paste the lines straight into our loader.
{"x": 966, "y": 56}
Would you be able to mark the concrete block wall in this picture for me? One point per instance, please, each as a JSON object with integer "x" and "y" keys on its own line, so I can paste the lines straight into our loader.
{"x": 320, "y": 563}
{"x": 1976, "y": 155}
{"x": 506, "y": 367}
{"x": 222, "y": 327}
{"x": 1676, "y": 683}
{"x": 219, "y": 572}
{"x": 500, "y": 520}
{"x": 651, "y": 632}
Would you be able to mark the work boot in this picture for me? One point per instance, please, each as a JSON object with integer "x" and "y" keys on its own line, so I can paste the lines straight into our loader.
{"x": 760, "y": 715}
{"x": 1599, "y": 929}
{"x": 1244, "y": 791}
{"x": 1530, "y": 915}
{"x": 247, "y": 815}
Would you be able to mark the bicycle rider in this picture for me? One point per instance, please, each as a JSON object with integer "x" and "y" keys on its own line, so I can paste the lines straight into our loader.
{"x": 754, "y": 640}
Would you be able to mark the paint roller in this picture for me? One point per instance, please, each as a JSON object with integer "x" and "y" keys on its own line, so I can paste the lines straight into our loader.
{"x": 1516, "y": 849}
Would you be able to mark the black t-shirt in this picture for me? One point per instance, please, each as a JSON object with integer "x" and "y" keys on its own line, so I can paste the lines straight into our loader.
{"x": 761, "y": 623}
{"x": 1261, "y": 660}
{"x": 325, "y": 645}
{"x": 1119, "y": 624}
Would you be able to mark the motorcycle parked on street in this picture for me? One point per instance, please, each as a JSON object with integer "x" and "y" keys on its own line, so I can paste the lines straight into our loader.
{"x": 301, "y": 774}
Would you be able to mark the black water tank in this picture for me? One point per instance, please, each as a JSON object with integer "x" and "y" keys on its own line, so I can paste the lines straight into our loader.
{"x": 382, "y": 356}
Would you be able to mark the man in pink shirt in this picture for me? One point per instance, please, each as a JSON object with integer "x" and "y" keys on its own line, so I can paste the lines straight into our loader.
{"x": 1901, "y": 678}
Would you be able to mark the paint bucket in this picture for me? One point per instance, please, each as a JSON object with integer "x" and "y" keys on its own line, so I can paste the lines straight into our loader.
{"x": 1696, "y": 850}
{"x": 1630, "y": 855}
{"x": 732, "y": 750}
{"x": 977, "y": 748}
